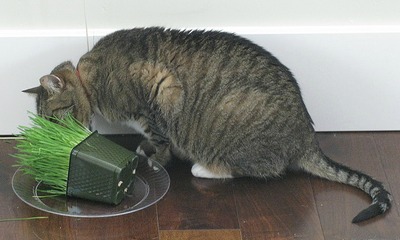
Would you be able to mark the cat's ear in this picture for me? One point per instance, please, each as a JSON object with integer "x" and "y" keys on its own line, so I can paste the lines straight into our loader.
{"x": 35, "y": 90}
{"x": 52, "y": 83}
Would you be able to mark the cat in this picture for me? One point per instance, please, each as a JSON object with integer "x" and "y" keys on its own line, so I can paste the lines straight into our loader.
{"x": 213, "y": 98}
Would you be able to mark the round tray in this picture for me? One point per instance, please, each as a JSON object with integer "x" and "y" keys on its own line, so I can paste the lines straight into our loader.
{"x": 151, "y": 184}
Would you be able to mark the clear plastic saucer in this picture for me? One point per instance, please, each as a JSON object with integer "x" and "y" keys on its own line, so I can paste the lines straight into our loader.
{"x": 151, "y": 184}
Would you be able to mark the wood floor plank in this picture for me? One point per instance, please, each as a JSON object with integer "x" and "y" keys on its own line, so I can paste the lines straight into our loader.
{"x": 277, "y": 209}
{"x": 141, "y": 225}
{"x": 194, "y": 203}
{"x": 200, "y": 235}
{"x": 388, "y": 145}
{"x": 337, "y": 204}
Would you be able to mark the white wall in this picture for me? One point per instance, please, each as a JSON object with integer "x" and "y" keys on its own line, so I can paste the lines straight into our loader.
{"x": 345, "y": 54}
{"x": 100, "y": 14}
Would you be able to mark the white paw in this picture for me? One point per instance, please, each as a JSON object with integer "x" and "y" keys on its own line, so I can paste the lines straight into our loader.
{"x": 140, "y": 151}
{"x": 202, "y": 172}
{"x": 150, "y": 162}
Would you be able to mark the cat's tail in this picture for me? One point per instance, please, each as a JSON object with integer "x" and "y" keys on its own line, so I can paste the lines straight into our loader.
{"x": 322, "y": 166}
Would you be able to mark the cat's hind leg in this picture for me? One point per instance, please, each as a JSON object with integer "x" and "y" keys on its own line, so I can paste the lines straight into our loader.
{"x": 201, "y": 171}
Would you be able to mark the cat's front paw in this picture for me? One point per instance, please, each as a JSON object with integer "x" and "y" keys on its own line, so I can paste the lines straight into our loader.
{"x": 150, "y": 162}
{"x": 145, "y": 149}
{"x": 140, "y": 151}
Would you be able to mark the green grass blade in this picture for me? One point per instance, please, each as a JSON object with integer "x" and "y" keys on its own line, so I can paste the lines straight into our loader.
{"x": 21, "y": 219}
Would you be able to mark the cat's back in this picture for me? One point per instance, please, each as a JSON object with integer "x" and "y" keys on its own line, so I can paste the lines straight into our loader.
{"x": 209, "y": 63}
{"x": 196, "y": 55}
{"x": 152, "y": 43}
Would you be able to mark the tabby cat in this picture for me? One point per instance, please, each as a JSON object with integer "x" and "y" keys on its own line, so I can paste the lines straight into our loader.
{"x": 213, "y": 98}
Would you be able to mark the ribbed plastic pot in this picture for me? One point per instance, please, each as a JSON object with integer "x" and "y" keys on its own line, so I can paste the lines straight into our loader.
{"x": 101, "y": 170}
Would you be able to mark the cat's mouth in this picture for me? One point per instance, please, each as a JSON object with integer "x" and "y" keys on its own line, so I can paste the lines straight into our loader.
{"x": 60, "y": 113}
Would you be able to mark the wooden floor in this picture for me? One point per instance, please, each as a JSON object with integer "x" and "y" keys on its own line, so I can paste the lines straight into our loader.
{"x": 295, "y": 207}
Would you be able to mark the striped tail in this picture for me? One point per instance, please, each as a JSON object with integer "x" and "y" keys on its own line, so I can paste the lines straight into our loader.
{"x": 322, "y": 166}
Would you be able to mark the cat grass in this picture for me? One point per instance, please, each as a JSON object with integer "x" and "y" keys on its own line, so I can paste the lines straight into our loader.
{"x": 45, "y": 147}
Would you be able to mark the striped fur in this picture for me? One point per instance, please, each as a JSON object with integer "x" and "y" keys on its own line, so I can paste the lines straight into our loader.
{"x": 213, "y": 98}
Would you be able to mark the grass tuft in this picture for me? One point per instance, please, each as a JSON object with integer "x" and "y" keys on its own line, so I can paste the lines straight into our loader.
{"x": 45, "y": 147}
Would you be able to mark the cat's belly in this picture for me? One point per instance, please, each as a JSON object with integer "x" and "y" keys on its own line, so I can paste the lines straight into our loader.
{"x": 133, "y": 123}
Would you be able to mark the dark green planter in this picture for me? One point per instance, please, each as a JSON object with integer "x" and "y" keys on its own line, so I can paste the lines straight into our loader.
{"x": 100, "y": 170}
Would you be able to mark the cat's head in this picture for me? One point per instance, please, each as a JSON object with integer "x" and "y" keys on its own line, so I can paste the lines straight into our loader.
{"x": 60, "y": 93}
